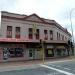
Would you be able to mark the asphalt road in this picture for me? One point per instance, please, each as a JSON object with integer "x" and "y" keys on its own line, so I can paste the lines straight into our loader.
{"x": 55, "y": 68}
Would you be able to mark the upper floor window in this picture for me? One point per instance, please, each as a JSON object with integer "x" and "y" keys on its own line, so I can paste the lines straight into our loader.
{"x": 57, "y": 35}
{"x": 17, "y": 32}
{"x": 30, "y": 33}
{"x": 9, "y": 31}
{"x": 63, "y": 37}
{"x": 46, "y": 35}
{"x": 37, "y": 33}
{"x": 51, "y": 35}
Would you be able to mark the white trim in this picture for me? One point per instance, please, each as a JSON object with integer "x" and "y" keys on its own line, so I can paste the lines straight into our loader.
{"x": 61, "y": 71}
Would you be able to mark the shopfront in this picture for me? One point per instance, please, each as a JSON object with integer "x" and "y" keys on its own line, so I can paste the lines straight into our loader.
{"x": 49, "y": 51}
{"x": 31, "y": 53}
{"x": 11, "y": 51}
{"x": 61, "y": 51}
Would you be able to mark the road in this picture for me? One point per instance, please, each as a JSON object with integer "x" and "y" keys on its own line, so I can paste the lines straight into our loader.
{"x": 66, "y": 67}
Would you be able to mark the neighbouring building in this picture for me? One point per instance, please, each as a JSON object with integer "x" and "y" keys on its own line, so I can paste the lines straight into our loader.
{"x": 20, "y": 37}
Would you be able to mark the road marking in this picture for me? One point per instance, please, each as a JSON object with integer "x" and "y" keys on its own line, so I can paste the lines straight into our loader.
{"x": 67, "y": 68}
{"x": 61, "y": 71}
{"x": 61, "y": 67}
{"x": 22, "y": 67}
{"x": 60, "y": 61}
{"x": 53, "y": 73}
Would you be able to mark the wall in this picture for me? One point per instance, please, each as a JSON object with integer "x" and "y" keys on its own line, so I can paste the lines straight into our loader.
{"x": 24, "y": 28}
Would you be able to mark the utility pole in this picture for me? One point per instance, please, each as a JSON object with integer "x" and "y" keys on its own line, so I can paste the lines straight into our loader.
{"x": 72, "y": 29}
{"x": 42, "y": 48}
{"x": 43, "y": 51}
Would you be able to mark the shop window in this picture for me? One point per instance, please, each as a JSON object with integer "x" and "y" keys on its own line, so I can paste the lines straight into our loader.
{"x": 5, "y": 53}
{"x": 59, "y": 52}
{"x": 30, "y": 53}
{"x": 9, "y": 31}
{"x": 11, "y": 52}
{"x": 15, "y": 52}
{"x": 49, "y": 53}
{"x": 18, "y": 52}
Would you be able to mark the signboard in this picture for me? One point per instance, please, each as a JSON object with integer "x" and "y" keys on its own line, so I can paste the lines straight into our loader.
{"x": 49, "y": 46}
{"x": 61, "y": 47}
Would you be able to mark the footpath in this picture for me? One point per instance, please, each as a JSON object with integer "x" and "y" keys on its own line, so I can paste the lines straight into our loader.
{"x": 19, "y": 65}
{"x": 32, "y": 62}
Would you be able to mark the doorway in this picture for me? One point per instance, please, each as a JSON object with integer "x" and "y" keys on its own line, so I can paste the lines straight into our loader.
{"x": 31, "y": 54}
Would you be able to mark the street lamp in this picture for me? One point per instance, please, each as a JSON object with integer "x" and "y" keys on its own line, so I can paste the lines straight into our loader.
{"x": 71, "y": 25}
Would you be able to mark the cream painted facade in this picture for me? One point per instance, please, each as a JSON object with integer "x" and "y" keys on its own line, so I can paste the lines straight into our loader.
{"x": 24, "y": 25}
{"x": 24, "y": 22}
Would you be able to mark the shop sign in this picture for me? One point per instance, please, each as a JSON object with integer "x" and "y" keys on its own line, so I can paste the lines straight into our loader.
{"x": 49, "y": 46}
{"x": 61, "y": 47}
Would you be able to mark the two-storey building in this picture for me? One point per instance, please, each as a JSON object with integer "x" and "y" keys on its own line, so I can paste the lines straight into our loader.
{"x": 20, "y": 37}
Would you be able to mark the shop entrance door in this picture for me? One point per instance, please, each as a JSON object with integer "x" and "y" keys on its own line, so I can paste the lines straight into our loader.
{"x": 31, "y": 54}
{"x": 49, "y": 53}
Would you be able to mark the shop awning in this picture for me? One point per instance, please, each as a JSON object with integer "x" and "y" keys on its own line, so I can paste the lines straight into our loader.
{"x": 14, "y": 40}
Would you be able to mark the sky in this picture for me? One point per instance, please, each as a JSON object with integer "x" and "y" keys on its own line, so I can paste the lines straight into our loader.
{"x": 58, "y": 10}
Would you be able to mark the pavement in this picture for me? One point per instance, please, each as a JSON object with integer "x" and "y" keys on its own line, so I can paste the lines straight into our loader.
{"x": 32, "y": 62}
{"x": 54, "y": 66}
{"x": 59, "y": 68}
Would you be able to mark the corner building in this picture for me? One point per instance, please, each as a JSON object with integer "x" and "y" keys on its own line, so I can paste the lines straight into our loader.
{"x": 20, "y": 37}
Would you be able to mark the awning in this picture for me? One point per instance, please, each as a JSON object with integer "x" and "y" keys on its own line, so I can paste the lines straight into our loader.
{"x": 14, "y": 40}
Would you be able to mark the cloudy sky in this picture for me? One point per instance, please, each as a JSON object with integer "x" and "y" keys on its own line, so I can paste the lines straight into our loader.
{"x": 58, "y": 10}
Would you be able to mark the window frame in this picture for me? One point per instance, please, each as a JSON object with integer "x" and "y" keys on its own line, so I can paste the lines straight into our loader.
{"x": 17, "y": 32}
{"x": 51, "y": 34}
{"x": 37, "y": 33}
{"x": 46, "y": 34}
{"x": 9, "y": 32}
{"x": 30, "y": 33}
